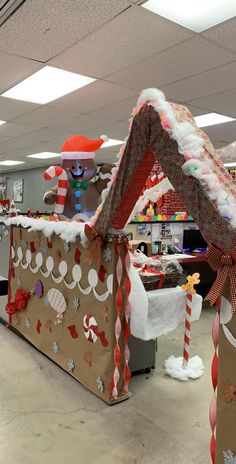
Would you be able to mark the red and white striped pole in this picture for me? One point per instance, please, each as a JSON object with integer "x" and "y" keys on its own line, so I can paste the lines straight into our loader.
{"x": 187, "y": 335}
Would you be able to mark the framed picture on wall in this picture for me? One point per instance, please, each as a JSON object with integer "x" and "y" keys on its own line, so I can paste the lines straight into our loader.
{"x": 18, "y": 190}
{"x": 3, "y": 188}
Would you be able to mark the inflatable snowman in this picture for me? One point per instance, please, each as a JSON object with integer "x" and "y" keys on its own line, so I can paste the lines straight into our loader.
{"x": 78, "y": 192}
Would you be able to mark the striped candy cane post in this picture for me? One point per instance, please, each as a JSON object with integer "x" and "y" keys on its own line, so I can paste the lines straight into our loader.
{"x": 62, "y": 185}
{"x": 119, "y": 302}
{"x": 214, "y": 375}
{"x": 187, "y": 336}
{"x": 127, "y": 373}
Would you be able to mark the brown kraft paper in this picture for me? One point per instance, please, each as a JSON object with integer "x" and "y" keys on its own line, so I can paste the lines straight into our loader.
{"x": 226, "y": 390}
{"x": 92, "y": 364}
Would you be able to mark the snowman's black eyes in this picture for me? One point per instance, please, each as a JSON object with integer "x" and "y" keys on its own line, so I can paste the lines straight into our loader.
{"x": 73, "y": 167}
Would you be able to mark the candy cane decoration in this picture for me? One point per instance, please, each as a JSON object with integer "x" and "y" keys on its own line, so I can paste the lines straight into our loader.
{"x": 187, "y": 336}
{"x": 183, "y": 367}
{"x": 58, "y": 171}
{"x": 91, "y": 330}
{"x": 189, "y": 288}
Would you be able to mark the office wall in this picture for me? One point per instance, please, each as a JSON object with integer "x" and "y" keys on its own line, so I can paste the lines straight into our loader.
{"x": 34, "y": 188}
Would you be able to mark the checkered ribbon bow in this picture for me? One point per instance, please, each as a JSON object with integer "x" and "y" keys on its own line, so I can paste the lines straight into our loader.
{"x": 226, "y": 267}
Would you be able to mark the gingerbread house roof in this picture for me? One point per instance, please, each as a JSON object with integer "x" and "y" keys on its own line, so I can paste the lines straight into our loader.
{"x": 167, "y": 132}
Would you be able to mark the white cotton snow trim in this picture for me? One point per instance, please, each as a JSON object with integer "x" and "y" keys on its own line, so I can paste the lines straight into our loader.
{"x": 174, "y": 368}
{"x": 68, "y": 231}
{"x": 191, "y": 146}
{"x": 152, "y": 194}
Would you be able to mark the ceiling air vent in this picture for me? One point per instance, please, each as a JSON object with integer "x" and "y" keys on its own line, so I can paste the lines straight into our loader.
{"x": 8, "y": 8}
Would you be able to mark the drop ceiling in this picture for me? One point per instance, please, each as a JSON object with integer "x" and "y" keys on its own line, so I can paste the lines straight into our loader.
{"x": 126, "y": 48}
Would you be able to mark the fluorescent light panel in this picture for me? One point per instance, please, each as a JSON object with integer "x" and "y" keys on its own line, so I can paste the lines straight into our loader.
{"x": 2, "y": 122}
{"x": 112, "y": 143}
{"x": 46, "y": 85}
{"x": 195, "y": 15}
{"x": 44, "y": 155}
{"x": 230, "y": 165}
{"x": 211, "y": 119}
{"x": 10, "y": 162}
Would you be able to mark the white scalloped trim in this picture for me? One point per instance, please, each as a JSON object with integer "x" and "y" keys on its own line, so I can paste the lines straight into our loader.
{"x": 25, "y": 262}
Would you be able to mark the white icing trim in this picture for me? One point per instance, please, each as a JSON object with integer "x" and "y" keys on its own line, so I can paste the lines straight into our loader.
{"x": 152, "y": 194}
{"x": 77, "y": 275}
{"x": 229, "y": 336}
{"x": 68, "y": 231}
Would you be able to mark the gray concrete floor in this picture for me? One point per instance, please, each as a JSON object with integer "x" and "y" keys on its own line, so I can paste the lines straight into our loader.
{"x": 46, "y": 416}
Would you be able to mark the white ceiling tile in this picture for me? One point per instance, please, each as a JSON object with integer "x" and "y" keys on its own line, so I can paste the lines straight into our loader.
{"x": 185, "y": 59}
{"x": 222, "y": 132}
{"x": 94, "y": 96}
{"x": 117, "y": 130}
{"x": 11, "y": 129}
{"x": 40, "y": 29}
{"x": 120, "y": 111}
{"x": 14, "y": 69}
{"x": 218, "y": 144}
{"x": 13, "y": 144}
{"x": 42, "y": 135}
{"x": 106, "y": 156}
{"x": 82, "y": 123}
{"x": 217, "y": 102}
{"x": 46, "y": 116}
{"x": 196, "y": 111}
{"x": 207, "y": 83}
{"x": 10, "y": 109}
{"x": 130, "y": 37}
{"x": 224, "y": 34}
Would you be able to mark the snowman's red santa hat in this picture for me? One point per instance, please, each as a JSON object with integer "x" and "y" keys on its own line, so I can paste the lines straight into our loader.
{"x": 80, "y": 147}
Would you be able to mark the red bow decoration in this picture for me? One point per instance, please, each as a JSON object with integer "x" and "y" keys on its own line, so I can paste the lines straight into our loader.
{"x": 20, "y": 302}
{"x": 226, "y": 267}
{"x": 95, "y": 245}
{"x": 146, "y": 268}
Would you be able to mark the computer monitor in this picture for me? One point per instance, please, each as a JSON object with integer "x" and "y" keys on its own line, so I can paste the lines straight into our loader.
{"x": 193, "y": 240}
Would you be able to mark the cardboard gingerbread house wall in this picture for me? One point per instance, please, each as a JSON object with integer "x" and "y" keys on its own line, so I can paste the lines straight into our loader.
{"x": 70, "y": 306}
{"x": 90, "y": 341}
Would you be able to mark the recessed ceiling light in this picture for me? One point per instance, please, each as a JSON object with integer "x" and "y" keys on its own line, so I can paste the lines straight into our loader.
{"x": 230, "y": 165}
{"x": 10, "y": 162}
{"x": 112, "y": 143}
{"x": 44, "y": 155}
{"x": 197, "y": 16}
{"x": 46, "y": 85}
{"x": 211, "y": 119}
{"x": 2, "y": 122}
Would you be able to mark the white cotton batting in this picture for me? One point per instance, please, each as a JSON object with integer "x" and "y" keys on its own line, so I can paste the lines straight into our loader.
{"x": 174, "y": 368}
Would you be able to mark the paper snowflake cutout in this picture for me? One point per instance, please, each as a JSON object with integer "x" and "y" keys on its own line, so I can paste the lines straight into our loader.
{"x": 44, "y": 250}
{"x": 45, "y": 301}
{"x": 107, "y": 254}
{"x": 55, "y": 348}
{"x": 18, "y": 282}
{"x": 71, "y": 365}
{"x": 229, "y": 457}
{"x": 76, "y": 303}
{"x": 66, "y": 247}
{"x": 24, "y": 244}
{"x": 27, "y": 323}
{"x": 100, "y": 384}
